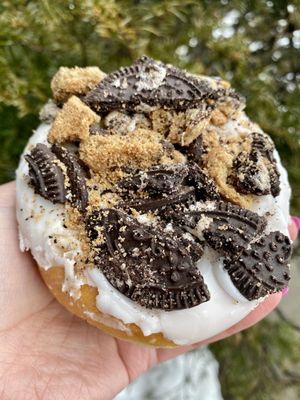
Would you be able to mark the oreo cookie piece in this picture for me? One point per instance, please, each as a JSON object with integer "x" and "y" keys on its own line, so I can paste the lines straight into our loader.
{"x": 256, "y": 172}
{"x": 194, "y": 151}
{"x": 262, "y": 268}
{"x": 76, "y": 174}
{"x": 150, "y": 266}
{"x": 162, "y": 179}
{"x": 154, "y": 84}
{"x": 46, "y": 176}
{"x": 266, "y": 147}
{"x": 225, "y": 227}
{"x": 205, "y": 187}
{"x": 184, "y": 195}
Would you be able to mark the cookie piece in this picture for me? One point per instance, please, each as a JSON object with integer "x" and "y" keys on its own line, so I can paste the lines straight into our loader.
{"x": 139, "y": 149}
{"x": 46, "y": 176}
{"x": 149, "y": 83}
{"x": 184, "y": 195}
{"x": 263, "y": 268}
{"x": 186, "y": 126}
{"x": 150, "y": 266}
{"x": 227, "y": 229}
{"x": 256, "y": 172}
{"x": 76, "y": 174}
{"x": 194, "y": 151}
{"x": 72, "y": 122}
{"x": 157, "y": 180}
{"x": 205, "y": 187}
{"x": 74, "y": 81}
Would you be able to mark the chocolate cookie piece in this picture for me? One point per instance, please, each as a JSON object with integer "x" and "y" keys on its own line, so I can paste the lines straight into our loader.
{"x": 46, "y": 176}
{"x": 149, "y": 265}
{"x": 194, "y": 151}
{"x": 266, "y": 147}
{"x": 184, "y": 195}
{"x": 230, "y": 228}
{"x": 251, "y": 175}
{"x": 256, "y": 172}
{"x": 263, "y": 268}
{"x": 162, "y": 179}
{"x": 154, "y": 84}
{"x": 76, "y": 174}
{"x": 205, "y": 187}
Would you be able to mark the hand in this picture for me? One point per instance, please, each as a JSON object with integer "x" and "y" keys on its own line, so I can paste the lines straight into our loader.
{"x": 47, "y": 353}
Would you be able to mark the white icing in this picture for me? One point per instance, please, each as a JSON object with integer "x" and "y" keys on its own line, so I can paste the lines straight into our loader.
{"x": 40, "y": 222}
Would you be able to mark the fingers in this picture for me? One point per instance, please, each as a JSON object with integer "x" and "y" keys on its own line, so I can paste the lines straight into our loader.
{"x": 22, "y": 291}
{"x": 294, "y": 227}
{"x": 7, "y": 195}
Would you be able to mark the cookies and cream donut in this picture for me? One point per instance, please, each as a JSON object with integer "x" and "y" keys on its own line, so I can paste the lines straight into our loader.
{"x": 155, "y": 209}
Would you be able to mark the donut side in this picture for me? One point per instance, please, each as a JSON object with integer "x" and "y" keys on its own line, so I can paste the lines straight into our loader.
{"x": 85, "y": 307}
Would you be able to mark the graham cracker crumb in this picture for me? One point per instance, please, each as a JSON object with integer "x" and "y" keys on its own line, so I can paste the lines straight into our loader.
{"x": 162, "y": 120}
{"x": 72, "y": 122}
{"x": 180, "y": 127}
{"x": 74, "y": 81}
{"x": 75, "y": 222}
{"x": 218, "y": 162}
{"x": 139, "y": 149}
{"x": 187, "y": 126}
{"x": 218, "y": 118}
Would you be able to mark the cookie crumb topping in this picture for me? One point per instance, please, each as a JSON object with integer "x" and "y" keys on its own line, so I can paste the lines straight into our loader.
{"x": 74, "y": 81}
{"x": 72, "y": 122}
{"x": 148, "y": 180}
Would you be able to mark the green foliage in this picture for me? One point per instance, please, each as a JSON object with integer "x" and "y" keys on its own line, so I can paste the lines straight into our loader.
{"x": 260, "y": 363}
{"x": 255, "y": 44}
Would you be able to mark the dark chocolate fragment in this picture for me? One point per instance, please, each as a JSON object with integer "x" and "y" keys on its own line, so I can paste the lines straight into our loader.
{"x": 183, "y": 195}
{"x": 194, "y": 151}
{"x": 168, "y": 185}
{"x": 149, "y": 265}
{"x": 162, "y": 179}
{"x": 152, "y": 83}
{"x": 76, "y": 174}
{"x": 45, "y": 174}
{"x": 230, "y": 229}
{"x": 205, "y": 187}
{"x": 262, "y": 268}
{"x": 256, "y": 172}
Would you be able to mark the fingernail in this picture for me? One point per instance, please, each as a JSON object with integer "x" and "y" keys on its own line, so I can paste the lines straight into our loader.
{"x": 285, "y": 291}
{"x": 297, "y": 222}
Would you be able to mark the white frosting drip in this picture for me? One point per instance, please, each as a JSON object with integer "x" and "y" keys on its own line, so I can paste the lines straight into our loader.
{"x": 40, "y": 222}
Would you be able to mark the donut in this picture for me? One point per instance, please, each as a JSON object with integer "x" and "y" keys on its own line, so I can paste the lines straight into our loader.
{"x": 155, "y": 209}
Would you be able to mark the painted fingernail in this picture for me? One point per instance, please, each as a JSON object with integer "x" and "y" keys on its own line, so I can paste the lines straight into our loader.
{"x": 285, "y": 291}
{"x": 297, "y": 222}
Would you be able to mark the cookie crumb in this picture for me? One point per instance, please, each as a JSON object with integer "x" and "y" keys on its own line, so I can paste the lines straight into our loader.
{"x": 218, "y": 118}
{"x": 72, "y": 122}
{"x": 139, "y": 149}
{"x": 219, "y": 161}
{"x": 74, "y": 81}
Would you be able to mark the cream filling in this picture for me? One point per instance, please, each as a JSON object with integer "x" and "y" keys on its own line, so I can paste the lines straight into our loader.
{"x": 41, "y": 230}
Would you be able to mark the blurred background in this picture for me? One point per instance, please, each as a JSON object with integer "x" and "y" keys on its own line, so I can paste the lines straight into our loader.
{"x": 254, "y": 44}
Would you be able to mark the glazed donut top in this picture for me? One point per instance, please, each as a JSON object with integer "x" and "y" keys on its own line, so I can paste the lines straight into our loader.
{"x": 149, "y": 180}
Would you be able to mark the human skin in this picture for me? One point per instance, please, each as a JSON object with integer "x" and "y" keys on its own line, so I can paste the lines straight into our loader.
{"x": 47, "y": 353}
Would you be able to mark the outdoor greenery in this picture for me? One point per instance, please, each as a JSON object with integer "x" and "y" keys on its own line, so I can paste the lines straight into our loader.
{"x": 254, "y": 44}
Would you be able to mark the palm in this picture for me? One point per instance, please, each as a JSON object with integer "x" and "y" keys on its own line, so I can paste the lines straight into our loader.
{"x": 45, "y": 352}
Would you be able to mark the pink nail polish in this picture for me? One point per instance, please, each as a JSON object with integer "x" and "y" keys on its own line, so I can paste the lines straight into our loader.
{"x": 285, "y": 291}
{"x": 297, "y": 221}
